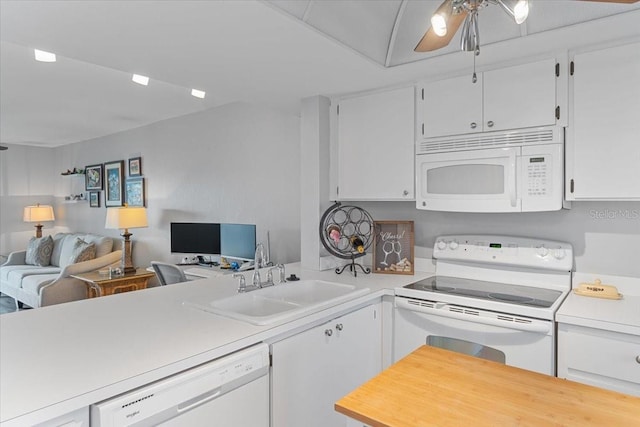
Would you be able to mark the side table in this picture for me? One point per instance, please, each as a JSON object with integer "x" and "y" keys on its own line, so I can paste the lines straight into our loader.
{"x": 99, "y": 285}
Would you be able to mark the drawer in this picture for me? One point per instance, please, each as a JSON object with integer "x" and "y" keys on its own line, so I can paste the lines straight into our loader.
{"x": 599, "y": 357}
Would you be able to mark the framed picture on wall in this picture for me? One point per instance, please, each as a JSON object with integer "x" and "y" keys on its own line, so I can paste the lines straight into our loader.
{"x": 134, "y": 189}
{"x": 135, "y": 166}
{"x": 114, "y": 185}
{"x": 93, "y": 177}
{"x": 94, "y": 199}
{"x": 393, "y": 247}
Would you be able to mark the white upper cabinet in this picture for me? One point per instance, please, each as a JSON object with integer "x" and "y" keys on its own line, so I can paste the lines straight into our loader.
{"x": 451, "y": 107}
{"x": 514, "y": 97}
{"x": 376, "y": 146}
{"x": 603, "y": 136}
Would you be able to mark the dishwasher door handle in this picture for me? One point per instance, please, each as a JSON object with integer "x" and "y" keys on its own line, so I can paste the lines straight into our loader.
{"x": 475, "y": 316}
{"x": 204, "y": 398}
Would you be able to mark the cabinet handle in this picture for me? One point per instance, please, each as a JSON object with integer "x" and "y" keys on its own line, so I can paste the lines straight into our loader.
{"x": 405, "y": 193}
{"x": 638, "y": 358}
{"x": 473, "y": 125}
{"x": 339, "y": 328}
{"x": 490, "y": 123}
{"x": 328, "y": 332}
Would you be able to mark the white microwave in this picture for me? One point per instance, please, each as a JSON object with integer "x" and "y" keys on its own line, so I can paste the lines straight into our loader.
{"x": 519, "y": 171}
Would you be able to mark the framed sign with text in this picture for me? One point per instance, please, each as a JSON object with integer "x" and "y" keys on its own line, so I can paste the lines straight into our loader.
{"x": 393, "y": 247}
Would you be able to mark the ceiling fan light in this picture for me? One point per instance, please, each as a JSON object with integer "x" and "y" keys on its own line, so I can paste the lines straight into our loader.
{"x": 439, "y": 24}
{"x": 521, "y": 11}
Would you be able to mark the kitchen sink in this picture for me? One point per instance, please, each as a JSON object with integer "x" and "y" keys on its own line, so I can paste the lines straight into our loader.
{"x": 281, "y": 302}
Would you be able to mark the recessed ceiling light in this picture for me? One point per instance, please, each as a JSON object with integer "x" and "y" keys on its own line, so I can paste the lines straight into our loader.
{"x": 198, "y": 93}
{"x": 43, "y": 56}
{"x": 141, "y": 80}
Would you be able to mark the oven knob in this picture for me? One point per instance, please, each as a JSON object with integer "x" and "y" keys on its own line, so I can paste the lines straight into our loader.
{"x": 453, "y": 245}
{"x": 441, "y": 245}
{"x": 559, "y": 253}
{"x": 542, "y": 251}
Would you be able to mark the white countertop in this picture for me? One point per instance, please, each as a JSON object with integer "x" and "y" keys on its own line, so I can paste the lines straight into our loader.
{"x": 57, "y": 359}
{"x": 621, "y": 315}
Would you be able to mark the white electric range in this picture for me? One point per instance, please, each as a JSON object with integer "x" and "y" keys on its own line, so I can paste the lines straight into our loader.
{"x": 492, "y": 296}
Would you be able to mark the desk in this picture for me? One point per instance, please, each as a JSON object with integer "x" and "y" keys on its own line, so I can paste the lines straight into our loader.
{"x": 197, "y": 272}
{"x": 432, "y": 386}
{"x": 99, "y": 285}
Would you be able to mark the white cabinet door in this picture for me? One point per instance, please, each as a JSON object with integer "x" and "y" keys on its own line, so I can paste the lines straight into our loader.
{"x": 314, "y": 369}
{"x": 376, "y": 146}
{"x": 451, "y": 106}
{"x": 77, "y": 418}
{"x": 520, "y": 96}
{"x": 601, "y": 358}
{"x": 516, "y": 97}
{"x": 603, "y": 153}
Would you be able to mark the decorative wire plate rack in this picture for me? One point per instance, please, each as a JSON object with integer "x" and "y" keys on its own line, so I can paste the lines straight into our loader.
{"x": 340, "y": 225}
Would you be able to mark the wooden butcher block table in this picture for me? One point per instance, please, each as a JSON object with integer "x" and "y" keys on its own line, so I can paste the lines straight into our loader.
{"x": 436, "y": 387}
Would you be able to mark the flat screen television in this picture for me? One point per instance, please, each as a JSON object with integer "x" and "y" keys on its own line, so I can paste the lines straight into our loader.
{"x": 238, "y": 241}
{"x": 195, "y": 238}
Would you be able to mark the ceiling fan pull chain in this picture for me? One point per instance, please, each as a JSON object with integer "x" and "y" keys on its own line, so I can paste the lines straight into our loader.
{"x": 474, "y": 78}
{"x": 475, "y": 35}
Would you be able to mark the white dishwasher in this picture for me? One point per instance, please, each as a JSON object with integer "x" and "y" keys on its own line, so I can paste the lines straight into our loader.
{"x": 232, "y": 391}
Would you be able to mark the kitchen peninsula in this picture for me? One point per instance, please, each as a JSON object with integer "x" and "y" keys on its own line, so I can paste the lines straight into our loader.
{"x": 432, "y": 386}
{"x": 61, "y": 359}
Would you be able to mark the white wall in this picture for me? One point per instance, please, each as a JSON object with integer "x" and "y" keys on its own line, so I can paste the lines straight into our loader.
{"x": 605, "y": 235}
{"x": 233, "y": 164}
{"x": 26, "y": 178}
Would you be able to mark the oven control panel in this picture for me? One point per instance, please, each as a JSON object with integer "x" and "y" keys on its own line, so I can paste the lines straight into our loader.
{"x": 505, "y": 250}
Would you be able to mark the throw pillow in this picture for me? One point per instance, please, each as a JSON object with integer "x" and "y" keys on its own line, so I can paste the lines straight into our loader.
{"x": 82, "y": 251}
{"x": 58, "y": 241}
{"x": 39, "y": 251}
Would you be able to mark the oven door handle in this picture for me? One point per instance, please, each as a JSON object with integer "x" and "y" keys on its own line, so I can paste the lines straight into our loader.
{"x": 442, "y": 309}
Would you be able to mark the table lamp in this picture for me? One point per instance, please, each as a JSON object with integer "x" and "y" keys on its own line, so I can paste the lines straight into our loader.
{"x": 38, "y": 213}
{"x": 123, "y": 219}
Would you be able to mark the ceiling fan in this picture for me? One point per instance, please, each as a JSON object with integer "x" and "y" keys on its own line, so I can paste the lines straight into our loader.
{"x": 453, "y": 13}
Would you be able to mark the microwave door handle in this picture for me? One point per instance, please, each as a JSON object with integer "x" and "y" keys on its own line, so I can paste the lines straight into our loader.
{"x": 512, "y": 180}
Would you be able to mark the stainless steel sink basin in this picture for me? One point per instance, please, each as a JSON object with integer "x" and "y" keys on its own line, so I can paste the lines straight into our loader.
{"x": 281, "y": 302}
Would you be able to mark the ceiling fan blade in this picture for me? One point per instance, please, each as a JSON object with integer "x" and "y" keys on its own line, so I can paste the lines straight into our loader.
{"x": 430, "y": 41}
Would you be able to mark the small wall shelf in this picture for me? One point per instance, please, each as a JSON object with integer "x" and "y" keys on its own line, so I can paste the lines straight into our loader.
{"x": 74, "y": 172}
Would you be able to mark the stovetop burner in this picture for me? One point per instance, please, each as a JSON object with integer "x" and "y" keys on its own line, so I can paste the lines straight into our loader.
{"x": 501, "y": 292}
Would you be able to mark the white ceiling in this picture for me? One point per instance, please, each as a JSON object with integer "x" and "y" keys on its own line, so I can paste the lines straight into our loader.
{"x": 273, "y": 53}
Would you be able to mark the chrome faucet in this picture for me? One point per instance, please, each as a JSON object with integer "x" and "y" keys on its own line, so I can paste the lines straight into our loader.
{"x": 242, "y": 287}
{"x": 280, "y": 268}
{"x": 258, "y": 260}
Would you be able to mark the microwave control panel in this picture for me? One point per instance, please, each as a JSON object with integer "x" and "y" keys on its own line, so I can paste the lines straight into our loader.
{"x": 536, "y": 170}
{"x": 542, "y": 175}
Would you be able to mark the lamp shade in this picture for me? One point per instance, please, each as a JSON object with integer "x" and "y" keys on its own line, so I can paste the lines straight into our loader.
{"x": 126, "y": 217}
{"x": 38, "y": 213}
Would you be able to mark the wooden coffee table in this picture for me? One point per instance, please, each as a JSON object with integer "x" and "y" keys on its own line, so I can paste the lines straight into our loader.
{"x": 99, "y": 285}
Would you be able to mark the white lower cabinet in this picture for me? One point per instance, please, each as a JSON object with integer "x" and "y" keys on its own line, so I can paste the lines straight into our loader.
{"x": 315, "y": 368}
{"x": 78, "y": 418}
{"x": 601, "y": 358}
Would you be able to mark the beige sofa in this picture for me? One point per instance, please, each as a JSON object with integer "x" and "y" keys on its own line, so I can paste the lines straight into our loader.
{"x": 38, "y": 286}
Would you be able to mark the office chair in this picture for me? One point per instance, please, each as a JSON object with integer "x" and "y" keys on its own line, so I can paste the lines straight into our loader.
{"x": 168, "y": 274}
